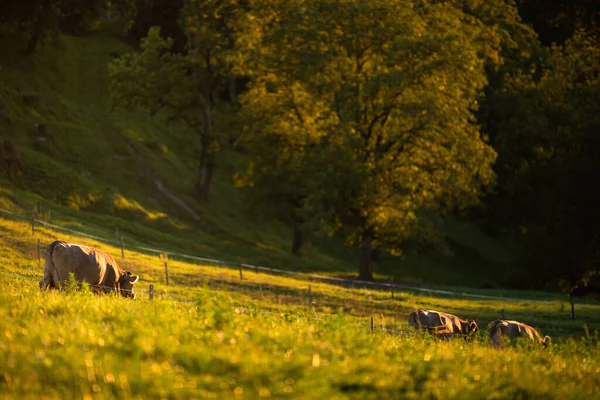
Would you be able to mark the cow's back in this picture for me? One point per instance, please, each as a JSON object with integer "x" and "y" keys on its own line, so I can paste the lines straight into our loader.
{"x": 512, "y": 330}
{"x": 87, "y": 264}
{"x": 430, "y": 318}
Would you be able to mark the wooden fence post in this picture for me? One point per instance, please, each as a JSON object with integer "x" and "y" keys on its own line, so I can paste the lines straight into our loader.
{"x": 309, "y": 297}
{"x": 39, "y": 254}
{"x": 122, "y": 249}
{"x": 151, "y": 292}
{"x": 166, "y": 271}
{"x": 572, "y": 308}
{"x": 372, "y": 325}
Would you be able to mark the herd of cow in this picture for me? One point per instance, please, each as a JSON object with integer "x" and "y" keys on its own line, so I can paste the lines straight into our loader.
{"x": 446, "y": 325}
{"x": 102, "y": 272}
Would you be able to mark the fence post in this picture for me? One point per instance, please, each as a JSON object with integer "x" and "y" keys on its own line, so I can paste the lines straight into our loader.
{"x": 122, "y": 249}
{"x": 309, "y": 297}
{"x": 372, "y": 325}
{"x": 572, "y": 308}
{"x": 240, "y": 267}
{"x": 166, "y": 272}
{"x": 39, "y": 254}
{"x": 32, "y": 226}
{"x": 392, "y": 288}
{"x": 151, "y": 292}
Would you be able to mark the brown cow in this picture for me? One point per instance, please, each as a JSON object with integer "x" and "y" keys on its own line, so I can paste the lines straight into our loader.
{"x": 96, "y": 267}
{"x": 442, "y": 324}
{"x": 514, "y": 330}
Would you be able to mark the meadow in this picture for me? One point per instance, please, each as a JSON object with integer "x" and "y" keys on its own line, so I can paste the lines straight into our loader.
{"x": 209, "y": 334}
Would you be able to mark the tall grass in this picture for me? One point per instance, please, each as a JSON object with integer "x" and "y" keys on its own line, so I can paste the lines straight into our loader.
{"x": 210, "y": 335}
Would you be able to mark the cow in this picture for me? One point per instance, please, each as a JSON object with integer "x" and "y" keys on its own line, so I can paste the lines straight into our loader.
{"x": 95, "y": 267}
{"x": 513, "y": 330}
{"x": 442, "y": 324}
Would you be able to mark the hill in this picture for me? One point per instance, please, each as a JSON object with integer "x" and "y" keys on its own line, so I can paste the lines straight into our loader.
{"x": 88, "y": 164}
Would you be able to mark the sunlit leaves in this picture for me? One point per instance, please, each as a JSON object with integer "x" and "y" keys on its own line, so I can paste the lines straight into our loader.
{"x": 392, "y": 84}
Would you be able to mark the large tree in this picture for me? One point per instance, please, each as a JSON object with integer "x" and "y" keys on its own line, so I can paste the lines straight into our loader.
{"x": 184, "y": 86}
{"x": 395, "y": 84}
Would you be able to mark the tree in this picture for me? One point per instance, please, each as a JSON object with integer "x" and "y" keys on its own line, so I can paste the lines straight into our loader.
{"x": 557, "y": 20}
{"x": 32, "y": 19}
{"x": 287, "y": 156}
{"x": 185, "y": 86}
{"x": 549, "y": 152}
{"x": 397, "y": 82}
{"x": 165, "y": 14}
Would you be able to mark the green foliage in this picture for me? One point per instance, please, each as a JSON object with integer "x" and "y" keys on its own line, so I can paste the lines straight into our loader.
{"x": 31, "y": 20}
{"x": 72, "y": 287}
{"x": 379, "y": 88}
{"x": 547, "y": 122}
{"x": 183, "y": 87}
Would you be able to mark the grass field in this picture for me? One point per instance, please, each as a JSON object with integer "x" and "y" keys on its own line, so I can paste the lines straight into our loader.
{"x": 209, "y": 335}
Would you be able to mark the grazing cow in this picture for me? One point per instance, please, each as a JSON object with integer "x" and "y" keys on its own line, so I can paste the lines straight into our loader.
{"x": 514, "y": 330}
{"x": 442, "y": 324}
{"x": 96, "y": 267}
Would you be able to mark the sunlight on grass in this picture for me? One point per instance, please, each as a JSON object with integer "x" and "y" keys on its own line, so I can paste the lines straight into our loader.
{"x": 210, "y": 334}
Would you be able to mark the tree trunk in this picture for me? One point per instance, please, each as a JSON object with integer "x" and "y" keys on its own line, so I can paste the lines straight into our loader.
{"x": 366, "y": 252}
{"x": 39, "y": 26}
{"x": 297, "y": 240}
{"x": 205, "y": 174}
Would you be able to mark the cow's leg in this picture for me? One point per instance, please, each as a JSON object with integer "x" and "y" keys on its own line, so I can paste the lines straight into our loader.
{"x": 48, "y": 267}
{"x": 55, "y": 279}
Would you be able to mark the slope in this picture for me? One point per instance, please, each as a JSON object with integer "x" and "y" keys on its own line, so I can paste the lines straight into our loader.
{"x": 88, "y": 164}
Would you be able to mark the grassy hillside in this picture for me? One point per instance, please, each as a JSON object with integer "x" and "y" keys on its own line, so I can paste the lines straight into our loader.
{"x": 108, "y": 168}
{"x": 209, "y": 335}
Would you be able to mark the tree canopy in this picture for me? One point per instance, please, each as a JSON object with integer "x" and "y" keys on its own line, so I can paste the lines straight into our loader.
{"x": 394, "y": 85}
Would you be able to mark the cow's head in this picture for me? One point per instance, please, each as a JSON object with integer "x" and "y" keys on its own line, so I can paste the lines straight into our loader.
{"x": 546, "y": 341}
{"x": 126, "y": 282}
{"x": 472, "y": 327}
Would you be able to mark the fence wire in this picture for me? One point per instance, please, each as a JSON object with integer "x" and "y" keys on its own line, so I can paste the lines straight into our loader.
{"x": 281, "y": 271}
{"x": 237, "y": 309}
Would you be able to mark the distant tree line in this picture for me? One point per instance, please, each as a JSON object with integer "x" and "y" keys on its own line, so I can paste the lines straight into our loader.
{"x": 373, "y": 119}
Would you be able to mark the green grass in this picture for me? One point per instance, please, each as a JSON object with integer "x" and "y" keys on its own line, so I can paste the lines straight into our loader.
{"x": 210, "y": 335}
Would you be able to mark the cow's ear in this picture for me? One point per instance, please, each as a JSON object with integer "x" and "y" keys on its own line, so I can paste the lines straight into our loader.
{"x": 133, "y": 279}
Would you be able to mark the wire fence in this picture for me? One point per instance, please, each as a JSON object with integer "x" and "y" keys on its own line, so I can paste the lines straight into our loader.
{"x": 237, "y": 309}
{"x": 233, "y": 264}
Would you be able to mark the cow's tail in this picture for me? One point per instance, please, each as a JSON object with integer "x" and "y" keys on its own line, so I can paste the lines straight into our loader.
{"x": 51, "y": 278}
